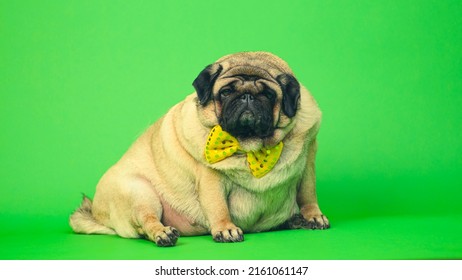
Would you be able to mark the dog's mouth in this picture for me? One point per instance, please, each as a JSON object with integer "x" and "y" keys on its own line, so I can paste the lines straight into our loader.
{"x": 248, "y": 124}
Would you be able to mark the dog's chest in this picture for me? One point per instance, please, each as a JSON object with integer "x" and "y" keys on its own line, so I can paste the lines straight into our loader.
{"x": 261, "y": 211}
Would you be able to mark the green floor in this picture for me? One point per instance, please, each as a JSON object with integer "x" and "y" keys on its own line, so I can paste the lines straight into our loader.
{"x": 406, "y": 237}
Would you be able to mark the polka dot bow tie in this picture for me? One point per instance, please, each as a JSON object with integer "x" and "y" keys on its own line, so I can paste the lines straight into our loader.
{"x": 221, "y": 144}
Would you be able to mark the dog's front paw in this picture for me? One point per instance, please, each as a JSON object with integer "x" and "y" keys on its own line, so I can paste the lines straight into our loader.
{"x": 229, "y": 233}
{"x": 316, "y": 222}
{"x": 166, "y": 237}
{"x": 314, "y": 219}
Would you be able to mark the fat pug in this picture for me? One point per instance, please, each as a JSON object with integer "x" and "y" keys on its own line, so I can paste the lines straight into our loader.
{"x": 236, "y": 156}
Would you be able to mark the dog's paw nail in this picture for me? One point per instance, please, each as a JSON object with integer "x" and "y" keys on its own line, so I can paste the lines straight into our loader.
{"x": 218, "y": 237}
{"x": 317, "y": 222}
{"x": 167, "y": 238}
{"x": 229, "y": 235}
{"x": 172, "y": 232}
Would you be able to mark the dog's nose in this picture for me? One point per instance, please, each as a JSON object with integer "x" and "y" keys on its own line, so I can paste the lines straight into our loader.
{"x": 247, "y": 97}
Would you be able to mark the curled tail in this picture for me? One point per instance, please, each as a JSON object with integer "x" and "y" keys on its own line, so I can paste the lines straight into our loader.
{"x": 82, "y": 220}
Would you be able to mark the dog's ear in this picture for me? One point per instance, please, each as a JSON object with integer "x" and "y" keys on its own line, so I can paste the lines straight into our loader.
{"x": 204, "y": 82}
{"x": 290, "y": 93}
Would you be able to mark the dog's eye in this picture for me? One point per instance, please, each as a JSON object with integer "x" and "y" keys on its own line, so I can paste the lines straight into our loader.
{"x": 226, "y": 91}
{"x": 269, "y": 94}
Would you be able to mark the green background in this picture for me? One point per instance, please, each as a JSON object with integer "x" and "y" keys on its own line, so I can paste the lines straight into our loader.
{"x": 80, "y": 80}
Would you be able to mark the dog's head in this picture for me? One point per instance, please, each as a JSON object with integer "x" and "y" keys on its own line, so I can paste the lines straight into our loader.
{"x": 249, "y": 94}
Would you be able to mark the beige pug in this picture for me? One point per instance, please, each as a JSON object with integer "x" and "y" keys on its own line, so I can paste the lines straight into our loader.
{"x": 166, "y": 184}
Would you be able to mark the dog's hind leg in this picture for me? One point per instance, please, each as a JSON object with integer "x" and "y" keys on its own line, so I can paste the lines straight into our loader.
{"x": 154, "y": 230}
{"x": 131, "y": 207}
{"x": 147, "y": 213}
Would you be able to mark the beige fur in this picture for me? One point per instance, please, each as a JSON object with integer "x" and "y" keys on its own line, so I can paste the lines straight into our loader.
{"x": 163, "y": 187}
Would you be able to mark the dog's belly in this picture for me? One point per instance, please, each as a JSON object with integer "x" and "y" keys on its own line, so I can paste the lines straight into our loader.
{"x": 187, "y": 227}
{"x": 255, "y": 212}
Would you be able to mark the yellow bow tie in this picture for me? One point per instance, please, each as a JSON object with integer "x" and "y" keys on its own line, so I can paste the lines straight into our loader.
{"x": 221, "y": 144}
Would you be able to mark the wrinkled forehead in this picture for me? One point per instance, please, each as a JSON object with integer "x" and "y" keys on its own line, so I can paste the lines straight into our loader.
{"x": 246, "y": 75}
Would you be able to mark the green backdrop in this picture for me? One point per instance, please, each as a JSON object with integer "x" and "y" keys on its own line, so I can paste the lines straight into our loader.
{"x": 80, "y": 80}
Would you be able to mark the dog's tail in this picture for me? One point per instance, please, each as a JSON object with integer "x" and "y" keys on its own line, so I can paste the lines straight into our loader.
{"x": 82, "y": 220}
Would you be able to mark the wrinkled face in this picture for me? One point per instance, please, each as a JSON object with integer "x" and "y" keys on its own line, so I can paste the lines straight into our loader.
{"x": 247, "y": 106}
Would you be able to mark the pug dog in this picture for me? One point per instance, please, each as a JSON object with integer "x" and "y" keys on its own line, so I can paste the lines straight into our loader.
{"x": 236, "y": 156}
